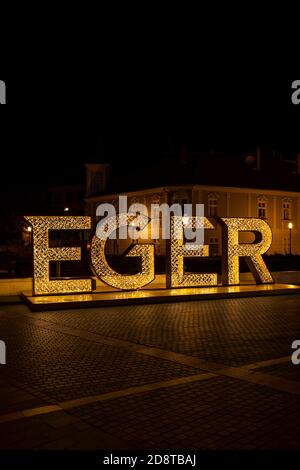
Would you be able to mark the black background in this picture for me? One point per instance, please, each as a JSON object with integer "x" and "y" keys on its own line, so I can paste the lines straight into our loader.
{"x": 54, "y": 122}
{"x": 58, "y": 122}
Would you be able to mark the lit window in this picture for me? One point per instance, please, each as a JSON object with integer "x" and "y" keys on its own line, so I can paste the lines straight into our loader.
{"x": 286, "y": 210}
{"x": 212, "y": 206}
{"x": 262, "y": 209}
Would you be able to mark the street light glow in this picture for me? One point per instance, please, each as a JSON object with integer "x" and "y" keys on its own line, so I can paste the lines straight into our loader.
{"x": 290, "y": 225}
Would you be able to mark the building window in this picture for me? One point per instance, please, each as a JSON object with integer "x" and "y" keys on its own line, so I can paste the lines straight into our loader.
{"x": 262, "y": 209}
{"x": 286, "y": 210}
{"x": 181, "y": 198}
{"x": 212, "y": 206}
{"x": 98, "y": 182}
{"x": 155, "y": 199}
{"x": 134, "y": 200}
{"x": 214, "y": 246}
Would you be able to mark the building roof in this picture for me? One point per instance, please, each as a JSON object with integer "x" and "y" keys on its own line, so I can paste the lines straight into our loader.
{"x": 216, "y": 169}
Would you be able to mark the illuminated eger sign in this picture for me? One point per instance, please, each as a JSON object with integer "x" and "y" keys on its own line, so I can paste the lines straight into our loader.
{"x": 177, "y": 249}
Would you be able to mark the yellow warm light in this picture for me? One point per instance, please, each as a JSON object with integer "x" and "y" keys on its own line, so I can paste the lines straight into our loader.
{"x": 175, "y": 276}
{"x": 177, "y": 250}
{"x": 66, "y": 209}
{"x": 232, "y": 250}
{"x": 290, "y": 225}
{"x": 102, "y": 268}
{"x": 43, "y": 254}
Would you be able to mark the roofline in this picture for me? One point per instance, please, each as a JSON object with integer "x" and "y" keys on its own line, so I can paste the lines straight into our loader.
{"x": 273, "y": 192}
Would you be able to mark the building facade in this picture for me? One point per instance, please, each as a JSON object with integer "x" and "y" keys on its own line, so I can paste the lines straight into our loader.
{"x": 279, "y": 209}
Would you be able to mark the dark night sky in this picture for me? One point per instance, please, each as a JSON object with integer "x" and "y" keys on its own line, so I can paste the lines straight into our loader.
{"x": 49, "y": 139}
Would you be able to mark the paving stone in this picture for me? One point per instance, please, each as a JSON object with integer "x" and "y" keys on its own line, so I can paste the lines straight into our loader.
{"x": 45, "y": 367}
{"x": 287, "y": 370}
{"x": 230, "y": 331}
{"x": 59, "y": 367}
{"x": 230, "y": 430}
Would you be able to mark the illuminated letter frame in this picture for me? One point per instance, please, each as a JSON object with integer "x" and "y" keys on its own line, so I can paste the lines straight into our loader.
{"x": 232, "y": 250}
{"x": 102, "y": 269}
{"x": 177, "y": 251}
{"x": 43, "y": 254}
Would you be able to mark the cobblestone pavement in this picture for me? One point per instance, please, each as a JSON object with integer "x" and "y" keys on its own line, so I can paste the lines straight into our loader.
{"x": 196, "y": 375}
